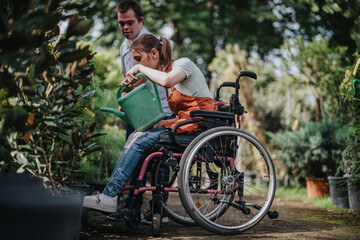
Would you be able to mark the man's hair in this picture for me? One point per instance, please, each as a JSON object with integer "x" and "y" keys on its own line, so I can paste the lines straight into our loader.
{"x": 124, "y": 5}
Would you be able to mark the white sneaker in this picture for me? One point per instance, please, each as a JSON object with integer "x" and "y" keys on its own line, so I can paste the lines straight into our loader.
{"x": 101, "y": 202}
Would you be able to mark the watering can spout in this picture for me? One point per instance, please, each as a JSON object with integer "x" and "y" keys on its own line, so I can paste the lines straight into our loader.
{"x": 116, "y": 112}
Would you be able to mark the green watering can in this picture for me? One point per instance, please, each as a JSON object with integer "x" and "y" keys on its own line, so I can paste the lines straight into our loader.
{"x": 141, "y": 108}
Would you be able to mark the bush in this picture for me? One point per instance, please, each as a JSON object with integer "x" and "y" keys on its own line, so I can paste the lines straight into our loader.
{"x": 43, "y": 77}
{"x": 351, "y": 155}
{"x": 314, "y": 150}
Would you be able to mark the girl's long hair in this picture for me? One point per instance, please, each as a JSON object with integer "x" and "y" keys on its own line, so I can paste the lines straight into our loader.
{"x": 146, "y": 42}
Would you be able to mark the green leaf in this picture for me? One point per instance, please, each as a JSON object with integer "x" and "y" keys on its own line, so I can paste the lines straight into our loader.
{"x": 74, "y": 55}
{"x": 21, "y": 158}
{"x": 21, "y": 169}
{"x": 98, "y": 135}
{"x": 97, "y": 149}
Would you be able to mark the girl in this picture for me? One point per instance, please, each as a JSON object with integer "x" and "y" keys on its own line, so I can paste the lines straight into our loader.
{"x": 189, "y": 92}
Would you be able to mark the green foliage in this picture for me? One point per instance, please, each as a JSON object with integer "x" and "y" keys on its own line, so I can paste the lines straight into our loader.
{"x": 321, "y": 67}
{"x": 200, "y": 27}
{"x": 277, "y": 100}
{"x": 297, "y": 193}
{"x": 99, "y": 166}
{"x": 107, "y": 76}
{"x": 314, "y": 150}
{"x": 351, "y": 155}
{"x": 42, "y": 90}
{"x": 338, "y": 21}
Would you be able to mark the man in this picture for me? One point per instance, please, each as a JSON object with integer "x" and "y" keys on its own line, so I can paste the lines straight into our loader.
{"x": 131, "y": 22}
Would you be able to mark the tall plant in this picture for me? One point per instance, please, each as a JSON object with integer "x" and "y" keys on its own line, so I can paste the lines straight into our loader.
{"x": 42, "y": 80}
{"x": 314, "y": 150}
{"x": 321, "y": 67}
{"x": 351, "y": 91}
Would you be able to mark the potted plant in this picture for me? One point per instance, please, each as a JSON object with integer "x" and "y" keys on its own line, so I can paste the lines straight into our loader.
{"x": 312, "y": 152}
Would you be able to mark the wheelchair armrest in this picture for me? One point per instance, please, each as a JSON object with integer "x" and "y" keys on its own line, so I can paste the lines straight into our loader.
{"x": 212, "y": 114}
{"x": 175, "y": 128}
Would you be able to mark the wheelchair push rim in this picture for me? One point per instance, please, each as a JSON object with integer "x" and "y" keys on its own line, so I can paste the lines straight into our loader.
{"x": 251, "y": 201}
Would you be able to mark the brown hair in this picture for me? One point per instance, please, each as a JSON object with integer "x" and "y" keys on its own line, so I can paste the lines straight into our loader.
{"x": 146, "y": 42}
{"x": 124, "y": 6}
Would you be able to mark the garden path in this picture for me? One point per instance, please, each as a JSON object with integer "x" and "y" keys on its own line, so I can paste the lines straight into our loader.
{"x": 297, "y": 220}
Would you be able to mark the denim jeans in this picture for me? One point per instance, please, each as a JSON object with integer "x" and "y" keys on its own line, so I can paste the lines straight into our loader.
{"x": 129, "y": 159}
{"x": 163, "y": 177}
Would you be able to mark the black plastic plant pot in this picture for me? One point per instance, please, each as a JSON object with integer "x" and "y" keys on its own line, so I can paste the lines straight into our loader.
{"x": 354, "y": 197}
{"x": 81, "y": 191}
{"x": 29, "y": 211}
{"x": 339, "y": 192}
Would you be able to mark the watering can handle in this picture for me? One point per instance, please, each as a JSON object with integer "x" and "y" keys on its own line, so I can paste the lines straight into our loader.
{"x": 153, "y": 85}
{"x": 354, "y": 87}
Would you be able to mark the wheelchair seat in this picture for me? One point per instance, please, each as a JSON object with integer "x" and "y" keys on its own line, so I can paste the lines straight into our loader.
{"x": 208, "y": 119}
{"x": 166, "y": 141}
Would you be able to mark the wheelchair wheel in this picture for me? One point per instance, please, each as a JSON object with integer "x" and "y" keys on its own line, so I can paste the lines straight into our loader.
{"x": 226, "y": 180}
{"x": 172, "y": 207}
{"x": 156, "y": 225}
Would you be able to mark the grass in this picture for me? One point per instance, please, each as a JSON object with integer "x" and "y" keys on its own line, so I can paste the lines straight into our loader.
{"x": 299, "y": 193}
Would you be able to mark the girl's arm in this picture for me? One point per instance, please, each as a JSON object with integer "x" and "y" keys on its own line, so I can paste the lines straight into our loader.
{"x": 164, "y": 79}
{"x": 164, "y": 122}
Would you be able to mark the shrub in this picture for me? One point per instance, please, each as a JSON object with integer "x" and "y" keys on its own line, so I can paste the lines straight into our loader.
{"x": 351, "y": 155}
{"x": 42, "y": 80}
{"x": 314, "y": 150}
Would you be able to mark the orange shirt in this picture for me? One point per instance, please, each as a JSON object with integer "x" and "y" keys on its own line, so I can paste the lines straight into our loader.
{"x": 182, "y": 104}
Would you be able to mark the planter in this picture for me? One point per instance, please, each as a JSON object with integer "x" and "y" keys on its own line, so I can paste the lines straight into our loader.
{"x": 29, "y": 211}
{"x": 354, "y": 197}
{"x": 339, "y": 191}
{"x": 81, "y": 191}
{"x": 316, "y": 187}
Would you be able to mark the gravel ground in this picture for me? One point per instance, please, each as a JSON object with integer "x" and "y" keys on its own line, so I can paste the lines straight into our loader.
{"x": 297, "y": 220}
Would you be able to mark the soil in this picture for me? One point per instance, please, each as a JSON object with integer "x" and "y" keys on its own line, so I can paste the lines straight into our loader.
{"x": 297, "y": 220}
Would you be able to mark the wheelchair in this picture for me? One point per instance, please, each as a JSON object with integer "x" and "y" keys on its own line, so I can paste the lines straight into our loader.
{"x": 223, "y": 179}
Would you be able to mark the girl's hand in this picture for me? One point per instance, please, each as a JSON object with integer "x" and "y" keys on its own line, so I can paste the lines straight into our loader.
{"x": 164, "y": 122}
{"x": 128, "y": 87}
{"x": 130, "y": 75}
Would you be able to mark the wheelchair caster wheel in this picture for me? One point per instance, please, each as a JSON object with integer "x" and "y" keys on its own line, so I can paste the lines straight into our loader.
{"x": 246, "y": 211}
{"x": 273, "y": 214}
{"x": 156, "y": 225}
{"x": 133, "y": 220}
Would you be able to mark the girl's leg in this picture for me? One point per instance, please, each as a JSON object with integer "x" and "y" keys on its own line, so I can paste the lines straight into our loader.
{"x": 126, "y": 164}
{"x": 129, "y": 159}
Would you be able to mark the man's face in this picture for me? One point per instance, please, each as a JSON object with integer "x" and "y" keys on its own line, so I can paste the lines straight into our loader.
{"x": 129, "y": 25}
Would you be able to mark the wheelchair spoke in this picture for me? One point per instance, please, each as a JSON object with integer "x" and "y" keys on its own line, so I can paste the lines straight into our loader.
{"x": 229, "y": 169}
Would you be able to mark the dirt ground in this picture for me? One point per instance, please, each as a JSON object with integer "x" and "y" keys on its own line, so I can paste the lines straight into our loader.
{"x": 297, "y": 220}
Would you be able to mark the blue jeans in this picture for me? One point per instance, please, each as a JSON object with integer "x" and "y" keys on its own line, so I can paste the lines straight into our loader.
{"x": 163, "y": 177}
{"x": 129, "y": 160}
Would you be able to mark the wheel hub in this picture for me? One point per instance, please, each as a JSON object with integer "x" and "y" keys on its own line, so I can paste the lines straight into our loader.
{"x": 228, "y": 180}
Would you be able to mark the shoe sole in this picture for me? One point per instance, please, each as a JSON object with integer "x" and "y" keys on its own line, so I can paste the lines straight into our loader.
{"x": 107, "y": 210}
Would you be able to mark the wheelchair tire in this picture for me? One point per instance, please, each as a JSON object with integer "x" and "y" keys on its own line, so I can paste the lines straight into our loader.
{"x": 228, "y": 169}
{"x": 156, "y": 225}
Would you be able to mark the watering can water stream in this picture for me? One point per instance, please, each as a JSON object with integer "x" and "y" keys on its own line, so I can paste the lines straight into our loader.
{"x": 141, "y": 108}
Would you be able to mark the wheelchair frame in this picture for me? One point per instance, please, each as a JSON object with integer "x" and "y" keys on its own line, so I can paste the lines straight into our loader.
{"x": 211, "y": 174}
